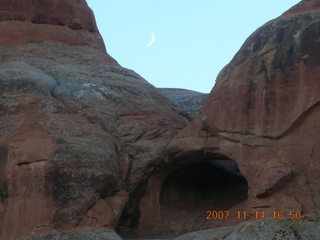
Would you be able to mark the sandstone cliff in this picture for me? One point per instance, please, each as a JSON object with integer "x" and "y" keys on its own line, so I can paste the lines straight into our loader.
{"x": 68, "y": 21}
{"x": 262, "y": 116}
{"x": 87, "y": 146}
{"x": 79, "y": 133}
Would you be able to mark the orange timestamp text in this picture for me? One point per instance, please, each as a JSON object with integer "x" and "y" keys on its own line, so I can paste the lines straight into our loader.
{"x": 243, "y": 215}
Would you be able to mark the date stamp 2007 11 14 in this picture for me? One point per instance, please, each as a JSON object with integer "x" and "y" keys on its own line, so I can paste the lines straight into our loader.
{"x": 244, "y": 215}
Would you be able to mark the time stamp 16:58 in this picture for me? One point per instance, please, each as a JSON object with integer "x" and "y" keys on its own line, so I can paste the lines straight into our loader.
{"x": 243, "y": 215}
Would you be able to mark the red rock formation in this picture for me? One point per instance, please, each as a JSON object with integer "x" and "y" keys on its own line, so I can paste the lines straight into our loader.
{"x": 79, "y": 134}
{"x": 263, "y": 113}
{"x": 67, "y": 21}
{"x": 83, "y": 140}
{"x": 74, "y": 14}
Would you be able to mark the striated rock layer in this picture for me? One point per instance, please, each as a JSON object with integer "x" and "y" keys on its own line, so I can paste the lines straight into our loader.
{"x": 263, "y": 114}
{"x": 79, "y": 134}
{"x": 67, "y": 21}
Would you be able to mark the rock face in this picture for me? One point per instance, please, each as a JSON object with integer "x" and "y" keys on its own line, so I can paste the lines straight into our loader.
{"x": 67, "y": 21}
{"x": 189, "y": 101}
{"x": 263, "y": 114}
{"x": 79, "y": 134}
{"x": 87, "y": 146}
{"x": 304, "y": 6}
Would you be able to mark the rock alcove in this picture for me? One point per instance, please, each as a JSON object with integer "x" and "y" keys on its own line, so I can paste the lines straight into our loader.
{"x": 213, "y": 184}
{"x": 179, "y": 198}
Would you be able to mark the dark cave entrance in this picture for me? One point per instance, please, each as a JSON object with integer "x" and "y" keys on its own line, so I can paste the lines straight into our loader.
{"x": 180, "y": 194}
{"x": 215, "y": 184}
{"x": 189, "y": 192}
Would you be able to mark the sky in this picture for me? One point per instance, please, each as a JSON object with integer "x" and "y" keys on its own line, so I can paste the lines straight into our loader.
{"x": 194, "y": 39}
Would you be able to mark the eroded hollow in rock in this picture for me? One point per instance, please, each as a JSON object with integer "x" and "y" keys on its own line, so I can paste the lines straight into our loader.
{"x": 188, "y": 193}
{"x": 180, "y": 194}
{"x": 215, "y": 184}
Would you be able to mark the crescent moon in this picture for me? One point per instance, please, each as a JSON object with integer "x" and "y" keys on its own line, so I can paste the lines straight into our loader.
{"x": 152, "y": 40}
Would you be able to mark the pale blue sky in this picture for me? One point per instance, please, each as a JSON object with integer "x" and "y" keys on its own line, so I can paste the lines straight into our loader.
{"x": 195, "y": 39}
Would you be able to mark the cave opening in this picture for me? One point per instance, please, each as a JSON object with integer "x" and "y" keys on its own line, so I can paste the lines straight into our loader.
{"x": 188, "y": 193}
{"x": 215, "y": 183}
{"x": 180, "y": 194}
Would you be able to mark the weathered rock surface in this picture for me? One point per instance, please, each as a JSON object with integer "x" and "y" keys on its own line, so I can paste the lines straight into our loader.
{"x": 189, "y": 101}
{"x": 79, "y": 134}
{"x": 304, "y": 6}
{"x": 86, "y": 234}
{"x": 263, "y": 113}
{"x": 84, "y": 141}
{"x": 67, "y": 21}
{"x": 260, "y": 230}
{"x": 264, "y": 229}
